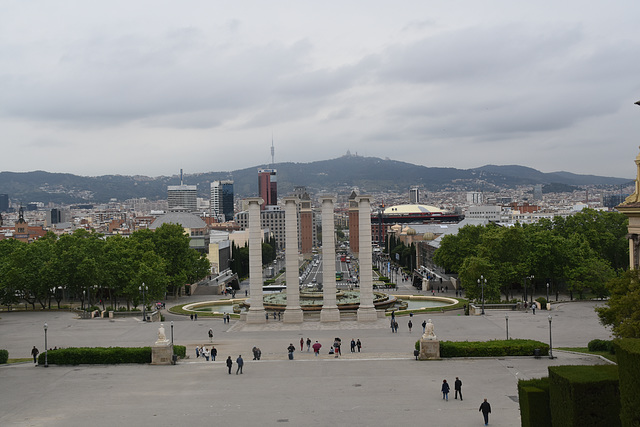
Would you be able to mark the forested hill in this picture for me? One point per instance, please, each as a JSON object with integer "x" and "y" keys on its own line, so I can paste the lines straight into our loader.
{"x": 369, "y": 174}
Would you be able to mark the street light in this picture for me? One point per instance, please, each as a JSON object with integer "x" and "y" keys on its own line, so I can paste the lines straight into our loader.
{"x": 46, "y": 361}
{"x": 481, "y": 282}
{"x": 172, "y": 332}
{"x": 143, "y": 288}
{"x": 550, "y": 346}
{"x": 547, "y": 292}
{"x": 506, "y": 319}
{"x": 533, "y": 287}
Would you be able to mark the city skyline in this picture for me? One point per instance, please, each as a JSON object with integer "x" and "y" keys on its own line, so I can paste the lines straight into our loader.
{"x": 148, "y": 88}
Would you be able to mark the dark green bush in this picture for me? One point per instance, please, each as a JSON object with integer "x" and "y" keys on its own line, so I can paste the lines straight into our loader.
{"x": 628, "y": 356}
{"x": 494, "y": 348}
{"x": 535, "y": 409}
{"x": 601, "y": 345}
{"x": 543, "y": 302}
{"x": 180, "y": 350}
{"x": 584, "y": 396}
{"x": 4, "y": 356}
{"x": 97, "y": 356}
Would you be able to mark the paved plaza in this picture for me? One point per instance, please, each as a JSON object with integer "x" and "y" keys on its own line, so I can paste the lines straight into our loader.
{"x": 382, "y": 385}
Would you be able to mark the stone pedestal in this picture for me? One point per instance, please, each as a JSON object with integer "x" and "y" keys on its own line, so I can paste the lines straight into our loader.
{"x": 161, "y": 353}
{"x": 429, "y": 349}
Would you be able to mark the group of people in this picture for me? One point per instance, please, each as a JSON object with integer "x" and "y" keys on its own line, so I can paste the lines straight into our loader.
{"x": 256, "y": 353}
{"x": 485, "y": 407}
{"x": 276, "y": 315}
{"x": 226, "y": 318}
{"x": 239, "y": 364}
{"x": 206, "y": 353}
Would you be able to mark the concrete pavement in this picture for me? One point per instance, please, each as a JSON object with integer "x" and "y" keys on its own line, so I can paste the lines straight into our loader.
{"x": 383, "y": 385}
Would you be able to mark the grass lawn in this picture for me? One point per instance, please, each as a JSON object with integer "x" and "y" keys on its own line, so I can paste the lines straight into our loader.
{"x": 604, "y": 354}
{"x": 24, "y": 359}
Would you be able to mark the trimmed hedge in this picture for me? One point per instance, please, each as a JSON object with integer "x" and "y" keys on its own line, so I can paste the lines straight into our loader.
{"x": 4, "y": 356}
{"x": 601, "y": 345}
{"x": 628, "y": 356}
{"x": 535, "y": 409}
{"x": 494, "y": 348}
{"x": 97, "y": 356}
{"x": 180, "y": 350}
{"x": 584, "y": 396}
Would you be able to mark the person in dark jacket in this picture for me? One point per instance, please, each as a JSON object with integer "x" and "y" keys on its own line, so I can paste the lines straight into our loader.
{"x": 229, "y": 364}
{"x": 240, "y": 364}
{"x": 214, "y": 353}
{"x": 291, "y": 349}
{"x": 485, "y": 408}
{"x": 445, "y": 390}
{"x": 457, "y": 386}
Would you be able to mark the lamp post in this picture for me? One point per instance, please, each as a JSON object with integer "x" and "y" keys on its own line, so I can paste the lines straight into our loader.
{"x": 547, "y": 292}
{"x": 46, "y": 361}
{"x": 172, "y": 332}
{"x": 506, "y": 319}
{"x": 143, "y": 288}
{"x": 550, "y": 345}
{"x": 481, "y": 282}
{"x": 84, "y": 297}
{"x": 532, "y": 288}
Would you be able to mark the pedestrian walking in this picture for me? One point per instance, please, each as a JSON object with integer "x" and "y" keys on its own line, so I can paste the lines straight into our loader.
{"x": 214, "y": 353}
{"x": 197, "y": 352}
{"x": 308, "y": 345}
{"x": 224, "y": 318}
{"x": 246, "y": 293}
{"x": 485, "y": 408}
{"x": 457, "y": 386}
{"x": 316, "y": 348}
{"x": 393, "y": 327}
{"x": 229, "y": 364}
{"x": 353, "y": 345}
{"x": 191, "y": 316}
{"x": 240, "y": 364}
{"x": 359, "y": 345}
{"x": 424, "y": 325}
{"x": 210, "y": 335}
{"x": 254, "y": 350}
{"x": 301, "y": 344}
{"x": 445, "y": 390}
{"x": 195, "y": 316}
{"x": 228, "y": 318}
{"x": 259, "y": 352}
{"x": 533, "y": 307}
{"x": 205, "y": 353}
{"x": 34, "y": 353}
{"x": 291, "y": 349}
{"x": 410, "y": 325}
{"x": 336, "y": 346}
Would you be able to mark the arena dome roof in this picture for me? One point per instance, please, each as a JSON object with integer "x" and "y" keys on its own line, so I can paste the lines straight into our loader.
{"x": 411, "y": 209}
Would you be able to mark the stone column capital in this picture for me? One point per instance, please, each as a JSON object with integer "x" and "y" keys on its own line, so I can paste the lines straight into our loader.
{"x": 290, "y": 199}
{"x": 258, "y": 200}
{"x": 327, "y": 198}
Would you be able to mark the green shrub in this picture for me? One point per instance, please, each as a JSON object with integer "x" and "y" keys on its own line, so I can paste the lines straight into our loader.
{"x": 628, "y": 356}
{"x": 535, "y": 409}
{"x": 584, "y": 396}
{"x": 494, "y": 348}
{"x": 180, "y": 350}
{"x": 97, "y": 355}
{"x": 543, "y": 302}
{"x": 601, "y": 345}
{"x": 4, "y": 356}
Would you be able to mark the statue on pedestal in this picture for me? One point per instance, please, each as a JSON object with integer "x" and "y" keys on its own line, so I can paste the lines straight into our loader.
{"x": 428, "y": 331}
{"x": 162, "y": 337}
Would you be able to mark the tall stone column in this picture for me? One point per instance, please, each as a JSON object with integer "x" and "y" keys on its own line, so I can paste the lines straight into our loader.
{"x": 256, "y": 309}
{"x": 293, "y": 312}
{"x": 330, "y": 312}
{"x": 366, "y": 311}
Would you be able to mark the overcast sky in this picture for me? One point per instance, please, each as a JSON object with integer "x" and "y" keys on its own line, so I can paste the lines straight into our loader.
{"x": 149, "y": 87}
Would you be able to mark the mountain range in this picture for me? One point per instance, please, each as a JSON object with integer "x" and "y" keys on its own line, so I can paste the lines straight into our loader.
{"x": 369, "y": 174}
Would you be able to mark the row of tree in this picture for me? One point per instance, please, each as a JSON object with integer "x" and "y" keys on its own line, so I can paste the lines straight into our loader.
{"x": 91, "y": 268}
{"x": 240, "y": 257}
{"x": 578, "y": 253}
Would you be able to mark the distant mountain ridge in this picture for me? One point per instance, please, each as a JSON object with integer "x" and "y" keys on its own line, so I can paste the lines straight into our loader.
{"x": 370, "y": 174}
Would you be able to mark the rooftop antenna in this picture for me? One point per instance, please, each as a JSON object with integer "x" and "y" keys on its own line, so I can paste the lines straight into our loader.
{"x": 273, "y": 150}
{"x": 181, "y": 182}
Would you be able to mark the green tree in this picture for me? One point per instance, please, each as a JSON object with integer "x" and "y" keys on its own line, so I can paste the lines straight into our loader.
{"x": 621, "y": 310}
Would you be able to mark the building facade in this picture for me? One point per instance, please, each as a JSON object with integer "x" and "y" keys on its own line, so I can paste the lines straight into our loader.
{"x": 183, "y": 196}
{"x": 222, "y": 202}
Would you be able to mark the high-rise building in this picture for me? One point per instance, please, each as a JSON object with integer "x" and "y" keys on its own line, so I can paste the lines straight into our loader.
{"x": 4, "y": 202}
{"x": 183, "y": 196}
{"x": 268, "y": 187}
{"x": 474, "y": 198}
{"x": 537, "y": 192}
{"x": 222, "y": 203}
{"x": 414, "y": 196}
